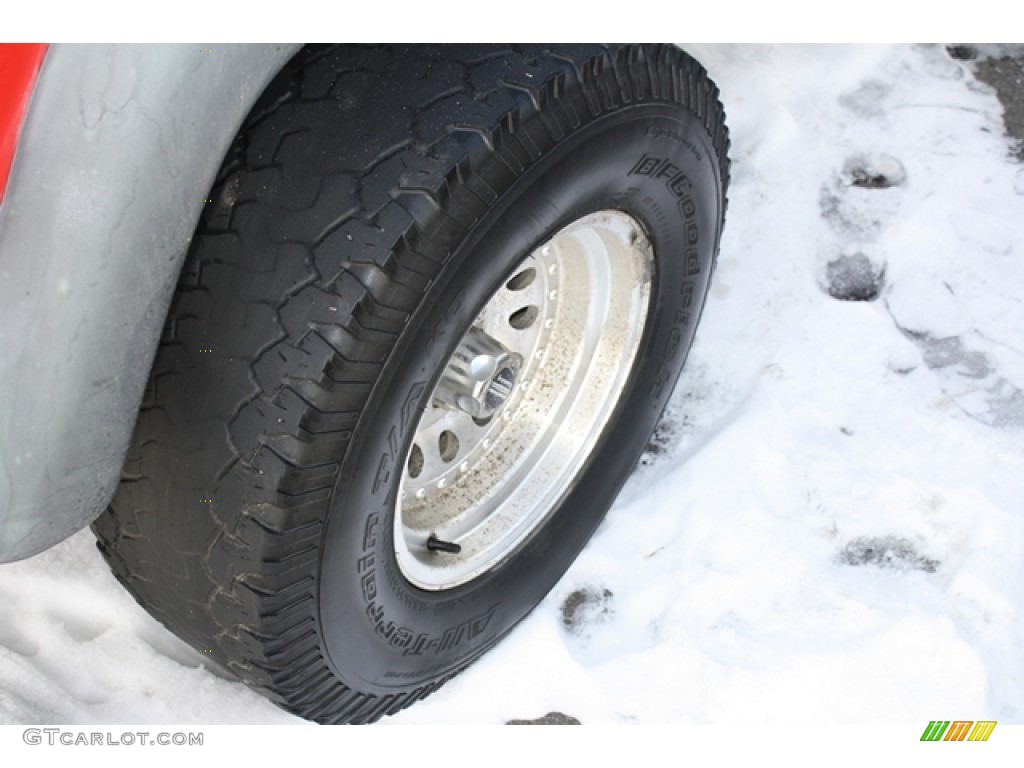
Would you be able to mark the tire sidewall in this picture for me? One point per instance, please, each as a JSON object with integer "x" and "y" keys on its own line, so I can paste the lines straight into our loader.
{"x": 651, "y": 161}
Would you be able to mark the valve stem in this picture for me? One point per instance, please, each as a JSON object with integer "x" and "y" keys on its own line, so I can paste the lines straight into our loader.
{"x": 435, "y": 544}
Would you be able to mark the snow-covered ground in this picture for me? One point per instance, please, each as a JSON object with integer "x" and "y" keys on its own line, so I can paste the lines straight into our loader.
{"x": 829, "y": 526}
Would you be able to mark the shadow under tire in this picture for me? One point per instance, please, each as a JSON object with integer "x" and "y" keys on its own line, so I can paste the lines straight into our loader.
{"x": 364, "y": 453}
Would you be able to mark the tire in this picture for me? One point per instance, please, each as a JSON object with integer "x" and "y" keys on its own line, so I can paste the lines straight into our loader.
{"x": 378, "y": 204}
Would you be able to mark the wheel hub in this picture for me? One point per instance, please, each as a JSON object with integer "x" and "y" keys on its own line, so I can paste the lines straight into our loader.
{"x": 480, "y": 376}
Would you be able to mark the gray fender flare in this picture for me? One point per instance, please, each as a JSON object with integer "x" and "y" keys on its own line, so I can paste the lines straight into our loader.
{"x": 120, "y": 146}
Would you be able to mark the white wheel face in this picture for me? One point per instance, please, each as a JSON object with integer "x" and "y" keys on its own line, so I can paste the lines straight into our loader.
{"x": 523, "y": 401}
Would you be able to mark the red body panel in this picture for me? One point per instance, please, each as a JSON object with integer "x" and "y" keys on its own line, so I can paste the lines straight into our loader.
{"x": 19, "y": 65}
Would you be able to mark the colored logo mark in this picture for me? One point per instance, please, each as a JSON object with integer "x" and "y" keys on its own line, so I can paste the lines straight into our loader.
{"x": 958, "y": 730}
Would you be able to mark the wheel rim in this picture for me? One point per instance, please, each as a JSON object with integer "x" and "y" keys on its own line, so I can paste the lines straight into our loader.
{"x": 523, "y": 401}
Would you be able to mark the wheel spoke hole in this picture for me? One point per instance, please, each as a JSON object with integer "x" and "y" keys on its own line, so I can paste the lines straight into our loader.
{"x": 448, "y": 446}
{"x": 415, "y": 461}
{"x": 522, "y": 280}
{"x": 523, "y": 318}
{"x": 482, "y": 422}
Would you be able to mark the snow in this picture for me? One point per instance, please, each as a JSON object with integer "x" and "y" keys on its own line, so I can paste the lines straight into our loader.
{"x": 828, "y": 527}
